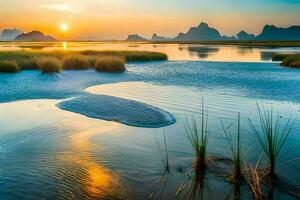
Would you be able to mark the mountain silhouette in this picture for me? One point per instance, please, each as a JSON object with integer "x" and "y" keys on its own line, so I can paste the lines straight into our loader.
{"x": 136, "y": 38}
{"x": 155, "y": 37}
{"x": 271, "y": 32}
{"x": 9, "y": 34}
{"x": 35, "y": 36}
{"x": 203, "y": 32}
{"x": 245, "y": 36}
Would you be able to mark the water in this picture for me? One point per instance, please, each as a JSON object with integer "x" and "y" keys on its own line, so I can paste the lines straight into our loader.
{"x": 225, "y": 53}
{"x": 49, "y": 153}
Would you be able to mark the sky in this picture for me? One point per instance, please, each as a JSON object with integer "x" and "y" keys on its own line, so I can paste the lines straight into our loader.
{"x": 115, "y": 19}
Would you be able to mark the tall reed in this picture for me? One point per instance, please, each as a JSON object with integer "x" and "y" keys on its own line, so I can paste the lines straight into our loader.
{"x": 271, "y": 136}
{"x": 235, "y": 148}
{"x": 198, "y": 137}
{"x": 164, "y": 155}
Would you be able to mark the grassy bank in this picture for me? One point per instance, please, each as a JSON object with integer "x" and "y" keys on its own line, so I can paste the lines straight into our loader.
{"x": 288, "y": 60}
{"x": 109, "y": 61}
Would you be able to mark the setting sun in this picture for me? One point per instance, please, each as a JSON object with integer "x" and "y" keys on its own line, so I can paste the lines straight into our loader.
{"x": 64, "y": 27}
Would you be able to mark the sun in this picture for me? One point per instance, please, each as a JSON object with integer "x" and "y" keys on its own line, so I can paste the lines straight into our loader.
{"x": 64, "y": 27}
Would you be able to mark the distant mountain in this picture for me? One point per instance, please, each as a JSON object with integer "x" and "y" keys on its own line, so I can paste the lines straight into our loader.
{"x": 271, "y": 32}
{"x": 199, "y": 33}
{"x": 228, "y": 38}
{"x": 35, "y": 36}
{"x": 203, "y": 32}
{"x": 245, "y": 36}
{"x": 9, "y": 34}
{"x": 135, "y": 38}
{"x": 155, "y": 37}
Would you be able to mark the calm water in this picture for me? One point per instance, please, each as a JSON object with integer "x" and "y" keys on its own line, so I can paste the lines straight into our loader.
{"x": 49, "y": 153}
{"x": 225, "y": 53}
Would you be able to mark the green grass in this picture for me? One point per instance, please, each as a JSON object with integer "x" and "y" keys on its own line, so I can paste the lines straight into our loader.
{"x": 198, "y": 137}
{"x": 271, "y": 136}
{"x": 79, "y": 59}
{"x": 235, "y": 148}
{"x": 49, "y": 65}
{"x": 76, "y": 62}
{"x": 8, "y": 66}
{"x": 288, "y": 60}
{"x": 130, "y": 56}
{"x": 110, "y": 64}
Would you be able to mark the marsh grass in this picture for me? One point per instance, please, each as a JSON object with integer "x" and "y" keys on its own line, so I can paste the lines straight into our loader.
{"x": 254, "y": 181}
{"x": 27, "y": 64}
{"x": 271, "y": 136}
{"x": 49, "y": 65}
{"x": 198, "y": 137}
{"x": 130, "y": 56}
{"x": 76, "y": 62}
{"x": 288, "y": 60}
{"x": 8, "y": 67}
{"x": 164, "y": 156}
{"x": 80, "y": 59}
{"x": 110, "y": 64}
{"x": 235, "y": 147}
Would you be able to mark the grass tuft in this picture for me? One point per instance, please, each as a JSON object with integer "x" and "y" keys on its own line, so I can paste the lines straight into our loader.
{"x": 110, "y": 64}
{"x": 288, "y": 60}
{"x": 8, "y": 67}
{"x": 271, "y": 136}
{"x": 129, "y": 56}
{"x": 76, "y": 62}
{"x": 198, "y": 137}
{"x": 49, "y": 65}
{"x": 27, "y": 64}
{"x": 235, "y": 148}
{"x": 254, "y": 182}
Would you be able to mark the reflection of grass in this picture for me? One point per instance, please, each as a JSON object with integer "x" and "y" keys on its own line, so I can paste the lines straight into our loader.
{"x": 79, "y": 59}
{"x": 235, "y": 148}
{"x": 8, "y": 67}
{"x": 164, "y": 155}
{"x": 271, "y": 136}
{"x": 195, "y": 186}
{"x": 49, "y": 65}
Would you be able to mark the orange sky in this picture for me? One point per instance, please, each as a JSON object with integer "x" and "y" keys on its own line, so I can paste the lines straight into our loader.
{"x": 98, "y": 19}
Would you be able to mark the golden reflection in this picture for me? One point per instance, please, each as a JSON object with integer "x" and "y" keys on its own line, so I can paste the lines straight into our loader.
{"x": 100, "y": 181}
{"x": 65, "y": 45}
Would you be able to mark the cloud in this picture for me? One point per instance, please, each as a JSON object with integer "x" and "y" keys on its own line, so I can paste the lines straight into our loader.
{"x": 65, "y": 7}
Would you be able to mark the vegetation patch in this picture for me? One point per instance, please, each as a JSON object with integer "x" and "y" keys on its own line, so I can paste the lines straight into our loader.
{"x": 8, "y": 67}
{"x": 49, "y": 65}
{"x": 288, "y": 60}
{"x": 76, "y": 62}
{"x": 110, "y": 61}
{"x": 130, "y": 56}
{"x": 110, "y": 64}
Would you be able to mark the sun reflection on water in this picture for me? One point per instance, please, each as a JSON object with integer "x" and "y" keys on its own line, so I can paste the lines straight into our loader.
{"x": 100, "y": 181}
{"x": 65, "y": 45}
